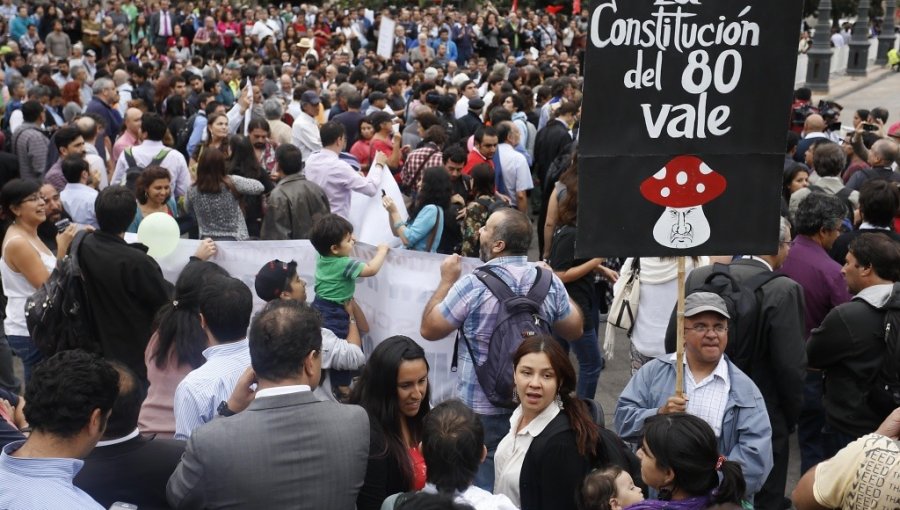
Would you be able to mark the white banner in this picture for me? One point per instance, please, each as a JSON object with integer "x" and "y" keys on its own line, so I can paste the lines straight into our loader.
{"x": 385, "y": 47}
{"x": 393, "y": 300}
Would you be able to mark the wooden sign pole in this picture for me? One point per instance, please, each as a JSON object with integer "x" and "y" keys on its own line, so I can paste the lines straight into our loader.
{"x": 679, "y": 352}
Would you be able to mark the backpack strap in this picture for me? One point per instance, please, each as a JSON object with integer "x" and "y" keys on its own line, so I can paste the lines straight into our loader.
{"x": 129, "y": 158}
{"x": 438, "y": 222}
{"x": 159, "y": 157}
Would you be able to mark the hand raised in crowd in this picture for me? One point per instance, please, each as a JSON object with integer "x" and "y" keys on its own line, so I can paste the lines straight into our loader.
{"x": 380, "y": 158}
{"x": 674, "y": 404}
{"x": 389, "y": 204}
{"x": 383, "y": 248}
{"x": 451, "y": 268}
{"x": 244, "y": 391}
{"x": 64, "y": 239}
{"x": 206, "y": 250}
{"x": 17, "y": 413}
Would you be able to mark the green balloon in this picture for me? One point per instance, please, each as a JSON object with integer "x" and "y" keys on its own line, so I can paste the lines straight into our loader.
{"x": 160, "y": 233}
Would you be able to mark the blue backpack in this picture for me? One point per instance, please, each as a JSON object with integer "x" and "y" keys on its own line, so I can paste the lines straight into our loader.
{"x": 519, "y": 317}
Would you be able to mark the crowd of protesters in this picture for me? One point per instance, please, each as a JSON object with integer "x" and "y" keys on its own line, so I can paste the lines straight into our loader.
{"x": 252, "y": 122}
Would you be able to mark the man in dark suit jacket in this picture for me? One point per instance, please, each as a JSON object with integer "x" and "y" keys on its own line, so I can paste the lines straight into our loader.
{"x": 125, "y": 286}
{"x": 157, "y": 35}
{"x": 126, "y": 466}
{"x": 283, "y": 448}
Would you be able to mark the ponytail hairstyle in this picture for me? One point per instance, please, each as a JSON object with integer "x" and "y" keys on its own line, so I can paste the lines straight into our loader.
{"x": 179, "y": 329}
{"x": 687, "y": 445}
{"x": 586, "y": 431}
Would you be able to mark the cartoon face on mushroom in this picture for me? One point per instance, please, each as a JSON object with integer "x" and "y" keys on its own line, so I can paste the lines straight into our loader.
{"x": 683, "y": 186}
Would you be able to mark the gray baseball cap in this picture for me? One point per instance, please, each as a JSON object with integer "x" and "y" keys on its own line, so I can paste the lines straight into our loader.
{"x": 699, "y": 302}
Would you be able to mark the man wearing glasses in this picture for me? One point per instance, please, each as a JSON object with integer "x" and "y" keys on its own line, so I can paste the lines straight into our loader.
{"x": 714, "y": 389}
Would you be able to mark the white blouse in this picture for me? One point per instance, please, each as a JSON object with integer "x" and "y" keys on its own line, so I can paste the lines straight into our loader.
{"x": 511, "y": 451}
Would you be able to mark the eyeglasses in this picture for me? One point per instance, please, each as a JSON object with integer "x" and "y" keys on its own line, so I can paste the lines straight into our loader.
{"x": 790, "y": 244}
{"x": 33, "y": 198}
{"x": 702, "y": 329}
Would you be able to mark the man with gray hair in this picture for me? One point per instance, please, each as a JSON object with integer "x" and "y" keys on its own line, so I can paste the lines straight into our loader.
{"x": 779, "y": 365}
{"x": 818, "y": 221}
{"x": 280, "y": 132}
{"x": 882, "y": 156}
{"x": 105, "y": 96}
{"x": 124, "y": 89}
{"x": 80, "y": 73}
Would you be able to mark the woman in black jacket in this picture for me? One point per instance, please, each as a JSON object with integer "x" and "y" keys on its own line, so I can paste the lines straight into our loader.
{"x": 541, "y": 462}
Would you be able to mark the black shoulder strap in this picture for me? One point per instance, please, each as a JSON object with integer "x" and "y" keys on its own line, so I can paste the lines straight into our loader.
{"x": 497, "y": 286}
{"x": 844, "y": 193}
{"x": 129, "y": 158}
{"x": 159, "y": 157}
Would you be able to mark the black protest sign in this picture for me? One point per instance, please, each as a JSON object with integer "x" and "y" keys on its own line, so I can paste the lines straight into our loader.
{"x": 683, "y": 126}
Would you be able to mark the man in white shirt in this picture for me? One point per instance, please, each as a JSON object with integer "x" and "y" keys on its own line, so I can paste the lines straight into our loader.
{"x": 275, "y": 421}
{"x": 305, "y": 131}
{"x": 262, "y": 29}
{"x": 468, "y": 91}
{"x": 124, "y": 88}
{"x": 336, "y": 176}
{"x": 514, "y": 168}
{"x": 153, "y": 129}
{"x": 78, "y": 197}
{"x": 97, "y": 167}
{"x": 225, "y": 307}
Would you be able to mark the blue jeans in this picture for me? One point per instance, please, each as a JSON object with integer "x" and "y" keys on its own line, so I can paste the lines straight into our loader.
{"x": 335, "y": 318}
{"x": 811, "y": 422}
{"x": 26, "y": 350}
{"x": 496, "y": 426}
{"x": 590, "y": 361}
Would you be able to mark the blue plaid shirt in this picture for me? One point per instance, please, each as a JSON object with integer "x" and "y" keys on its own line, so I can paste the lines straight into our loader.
{"x": 471, "y": 304}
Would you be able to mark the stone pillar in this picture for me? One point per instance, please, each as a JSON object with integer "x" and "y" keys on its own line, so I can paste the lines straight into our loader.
{"x": 818, "y": 64}
{"x": 858, "y": 59}
{"x": 887, "y": 37}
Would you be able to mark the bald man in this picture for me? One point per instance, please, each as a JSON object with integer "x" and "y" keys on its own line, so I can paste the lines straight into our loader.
{"x": 882, "y": 157}
{"x": 813, "y": 130}
{"x": 132, "y": 134}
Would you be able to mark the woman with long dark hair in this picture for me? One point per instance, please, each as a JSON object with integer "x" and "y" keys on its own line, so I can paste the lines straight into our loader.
{"x": 216, "y": 137}
{"x": 578, "y": 276}
{"x": 214, "y": 199}
{"x": 177, "y": 346}
{"x": 244, "y": 163}
{"x": 680, "y": 458}
{"x": 552, "y": 439}
{"x": 25, "y": 261}
{"x": 394, "y": 391}
{"x": 795, "y": 178}
{"x": 423, "y": 230}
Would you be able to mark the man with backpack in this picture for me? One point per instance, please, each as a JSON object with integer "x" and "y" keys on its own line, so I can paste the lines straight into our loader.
{"x": 488, "y": 332}
{"x": 152, "y": 151}
{"x": 857, "y": 344}
{"x": 765, "y": 342}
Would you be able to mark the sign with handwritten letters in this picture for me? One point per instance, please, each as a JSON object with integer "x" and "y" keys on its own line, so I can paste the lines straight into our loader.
{"x": 682, "y": 128}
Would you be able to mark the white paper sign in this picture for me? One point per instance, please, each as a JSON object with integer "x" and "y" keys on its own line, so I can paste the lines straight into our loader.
{"x": 386, "y": 38}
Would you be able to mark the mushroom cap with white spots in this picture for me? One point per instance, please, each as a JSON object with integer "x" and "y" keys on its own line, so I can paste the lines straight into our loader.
{"x": 685, "y": 181}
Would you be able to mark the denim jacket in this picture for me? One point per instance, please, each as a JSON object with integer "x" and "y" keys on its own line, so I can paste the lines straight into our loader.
{"x": 746, "y": 431}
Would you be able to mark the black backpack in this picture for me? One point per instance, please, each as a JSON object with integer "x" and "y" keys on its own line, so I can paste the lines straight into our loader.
{"x": 518, "y": 318}
{"x": 743, "y": 299}
{"x": 134, "y": 170}
{"x": 183, "y": 136}
{"x": 884, "y": 396}
{"x": 57, "y": 314}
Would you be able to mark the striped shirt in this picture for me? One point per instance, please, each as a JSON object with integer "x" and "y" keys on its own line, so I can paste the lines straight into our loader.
{"x": 707, "y": 398}
{"x": 200, "y": 393}
{"x": 37, "y": 484}
{"x": 471, "y": 304}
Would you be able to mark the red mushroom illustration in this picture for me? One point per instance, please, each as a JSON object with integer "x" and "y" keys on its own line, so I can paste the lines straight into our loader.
{"x": 683, "y": 186}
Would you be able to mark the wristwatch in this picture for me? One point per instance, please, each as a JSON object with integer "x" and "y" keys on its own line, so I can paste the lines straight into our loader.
{"x": 223, "y": 410}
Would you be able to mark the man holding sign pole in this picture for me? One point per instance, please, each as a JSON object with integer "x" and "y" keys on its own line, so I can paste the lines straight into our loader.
{"x": 715, "y": 390}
